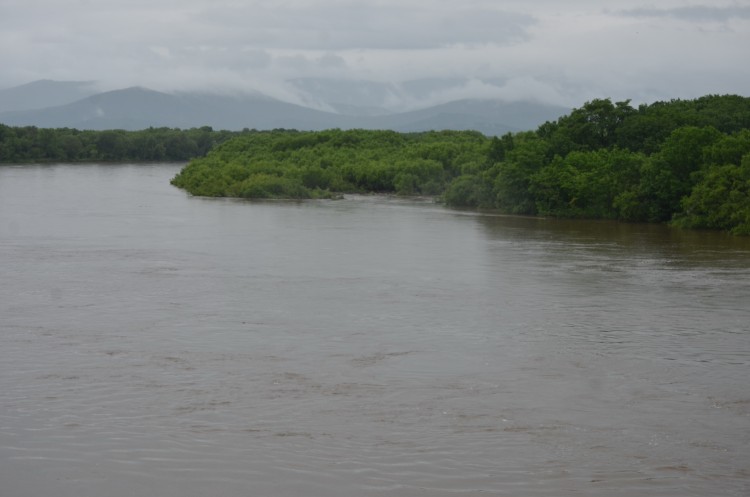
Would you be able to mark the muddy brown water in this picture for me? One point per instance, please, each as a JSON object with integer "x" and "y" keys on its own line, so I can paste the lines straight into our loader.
{"x": 152, "y": 343}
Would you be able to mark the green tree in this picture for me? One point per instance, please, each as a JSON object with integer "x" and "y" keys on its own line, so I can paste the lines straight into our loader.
{"x": 721, "y": 200}
{"x": 470, "y": 191}
{"x": 585, "y": 184}
{"x": 511, "y": 185}
{"x": 667, "y": 176}
{"x": 590, "y": 127}
{"x": 111, "y": 145}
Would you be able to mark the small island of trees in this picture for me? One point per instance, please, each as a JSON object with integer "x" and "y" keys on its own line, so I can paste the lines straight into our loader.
{"x": 685, "y": 161}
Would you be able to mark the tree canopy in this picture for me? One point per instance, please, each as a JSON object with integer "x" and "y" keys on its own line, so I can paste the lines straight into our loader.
{"x": 294, "y": 164}
{"x": 32, "y": 144}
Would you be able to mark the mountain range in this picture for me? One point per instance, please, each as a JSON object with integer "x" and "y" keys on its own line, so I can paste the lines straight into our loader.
{"x": 52, "y": 104}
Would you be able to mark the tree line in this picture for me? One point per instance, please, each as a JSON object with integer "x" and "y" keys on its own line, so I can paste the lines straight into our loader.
{"x": 31, "y": 144}
{"x": 684, "y": 161}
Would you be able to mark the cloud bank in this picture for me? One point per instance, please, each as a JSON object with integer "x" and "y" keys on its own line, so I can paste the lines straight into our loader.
{"x": 550, "y": 51}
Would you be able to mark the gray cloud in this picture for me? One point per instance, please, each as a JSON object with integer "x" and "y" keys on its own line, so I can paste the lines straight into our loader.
{"x": 561, "y": 52}
{"x": 693, "y": 13}
{"x": 365, "y": 26}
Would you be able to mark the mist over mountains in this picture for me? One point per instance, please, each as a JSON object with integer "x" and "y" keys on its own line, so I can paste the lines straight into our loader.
{"x": 323, "y": 104}
{"x": 44, "y": 93}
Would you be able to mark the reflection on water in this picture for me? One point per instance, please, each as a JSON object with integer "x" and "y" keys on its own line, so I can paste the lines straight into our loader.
{"x": 157, "y": 344}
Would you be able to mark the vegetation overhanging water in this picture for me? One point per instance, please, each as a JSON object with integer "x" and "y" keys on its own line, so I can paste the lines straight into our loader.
{"x": 686, "y": 162}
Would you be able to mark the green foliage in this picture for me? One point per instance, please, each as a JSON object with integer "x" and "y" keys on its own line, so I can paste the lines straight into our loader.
{"x": 667, "y": 176}
{"x": 31, "y": 144}
{"x": 469, "y": 191}
{"x": 294, "y": 164}
{"x": 512, "y": 183}
{"x": 591, "y": 127}
{"x": 585, "y": 184}
{"x": 721, "y": 200}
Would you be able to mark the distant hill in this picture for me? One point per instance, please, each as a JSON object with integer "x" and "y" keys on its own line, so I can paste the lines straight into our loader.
{"x": 363, "y": 97}
{"x": 491, "y": 117}
{"x": 138, "y": 108}
{"x": 44, "y": 93}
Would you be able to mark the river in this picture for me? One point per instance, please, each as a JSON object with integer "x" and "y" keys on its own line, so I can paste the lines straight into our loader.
{"x": 157, "y": 344}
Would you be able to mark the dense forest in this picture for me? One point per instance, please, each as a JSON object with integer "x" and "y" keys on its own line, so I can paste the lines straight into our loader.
{"x": 684, "y": 161}
{"x": 32, "y": 144}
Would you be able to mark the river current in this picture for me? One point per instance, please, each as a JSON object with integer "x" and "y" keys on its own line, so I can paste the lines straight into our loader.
{"x": 158, "y": 344}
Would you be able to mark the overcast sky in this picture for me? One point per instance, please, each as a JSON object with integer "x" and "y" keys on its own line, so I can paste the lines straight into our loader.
{"x": 564, "y": 52}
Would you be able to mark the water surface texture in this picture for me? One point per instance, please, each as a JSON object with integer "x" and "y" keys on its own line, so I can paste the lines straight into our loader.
{"x": 156, "y": 344}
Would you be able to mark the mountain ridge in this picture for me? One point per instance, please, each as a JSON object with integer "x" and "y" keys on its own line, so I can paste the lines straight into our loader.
{"x": 44, "y": 93}
{"x": 139, "y": 108}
